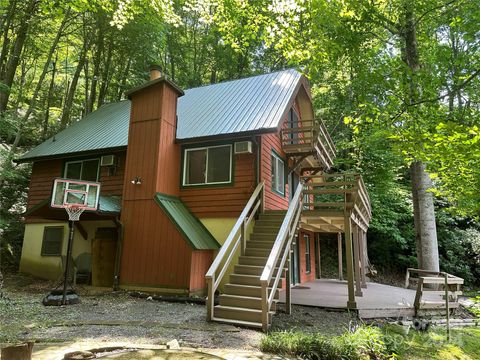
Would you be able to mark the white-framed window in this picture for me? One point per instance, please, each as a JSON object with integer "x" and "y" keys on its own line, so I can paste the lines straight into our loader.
{"x": 209, "y": 165}
{"x": 308, "y": 265}
{"x": 278, "y": 174}
{"x": 87, "y": 170}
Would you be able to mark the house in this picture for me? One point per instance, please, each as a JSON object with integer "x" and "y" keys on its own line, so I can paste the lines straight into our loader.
{"x": 201, "y": 190}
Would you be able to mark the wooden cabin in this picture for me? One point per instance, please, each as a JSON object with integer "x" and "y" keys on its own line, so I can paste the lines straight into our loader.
{"x": 222, "y": 189}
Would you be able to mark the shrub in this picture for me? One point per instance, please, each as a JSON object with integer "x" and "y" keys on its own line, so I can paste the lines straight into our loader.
{"x": 365, "y": 343}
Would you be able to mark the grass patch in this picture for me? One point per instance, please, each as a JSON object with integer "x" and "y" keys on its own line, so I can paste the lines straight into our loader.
{"x": 369, "y": 342}
{"x": 364, "y": 343}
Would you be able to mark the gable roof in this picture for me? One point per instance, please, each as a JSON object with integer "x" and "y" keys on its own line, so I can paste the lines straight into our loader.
{"x": 193, "y": 231}
{"x": 249, "y": 105}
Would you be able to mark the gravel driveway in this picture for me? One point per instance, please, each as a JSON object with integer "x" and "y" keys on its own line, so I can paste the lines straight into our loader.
{"x": 117, "y": 316}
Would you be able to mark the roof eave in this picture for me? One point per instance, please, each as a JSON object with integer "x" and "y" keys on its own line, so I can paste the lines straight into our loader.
{"x": 71, "y": 154}
{"x": 226, "y": 136}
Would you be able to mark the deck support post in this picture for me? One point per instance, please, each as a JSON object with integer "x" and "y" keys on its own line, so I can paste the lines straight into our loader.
{"x": 363, "y": 249}
{"x": 356, "y": 259}
{"x": 351, "y": 304}
{"x": 319, "y": 265}
{"x": 340, "y": 256}
{"x": 288, "y": 289}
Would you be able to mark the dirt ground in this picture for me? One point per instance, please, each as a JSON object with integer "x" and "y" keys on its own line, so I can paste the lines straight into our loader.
{"x": 106, "y": 316}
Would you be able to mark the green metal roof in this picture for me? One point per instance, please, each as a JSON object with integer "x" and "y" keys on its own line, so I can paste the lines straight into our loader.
{"x": 104, "y": 128}
{"x": 196, "y": 234}
{"x": 249, "y": 105}
{"x": 106, "y": 205}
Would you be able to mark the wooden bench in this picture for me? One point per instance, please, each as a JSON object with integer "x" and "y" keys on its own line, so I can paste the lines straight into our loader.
{"x": 434, "y": 283}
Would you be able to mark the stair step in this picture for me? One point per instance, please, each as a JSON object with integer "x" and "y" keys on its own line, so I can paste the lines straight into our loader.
{"x": 245, "y": 290}
{"x": 259, "y": 244}
{"x": 238, "y": 322}
{"x": 243, "y": 279}
{"x": 254, "y": 260}
{"x": 263, "y": 236}
{"x": 269, "y": 222}
{"x": 249, "y": 269}
{"x": 258, "y": 252}
{"x": 242, "y": 314}
{"x": 247, "y": 302}
{"x": 264, "y": 229}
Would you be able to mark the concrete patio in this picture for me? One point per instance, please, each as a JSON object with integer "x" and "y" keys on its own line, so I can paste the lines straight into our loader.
{"x": 378, "y": 300}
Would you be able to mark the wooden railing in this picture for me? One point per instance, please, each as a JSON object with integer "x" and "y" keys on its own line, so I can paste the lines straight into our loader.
{"x": 309, "y": 136}
{"x": 336, "y": 192}
{"x": 435, "y": 279}
{"x": 281, "y": 248}
{"x": 235, "y": 240}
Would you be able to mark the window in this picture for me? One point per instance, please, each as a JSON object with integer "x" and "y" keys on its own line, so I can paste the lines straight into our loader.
{"x": 208, "y": 165}
{"x": 293, "y": 123}
{"x": 82, "y": 170}
{"x": 52, "y": 241}
{"x": 278, "y": 174}
{"x": 308, "y": 265}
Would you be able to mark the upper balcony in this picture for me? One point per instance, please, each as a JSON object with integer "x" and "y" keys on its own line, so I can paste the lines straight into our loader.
{"x": 329, "y": 198}
{"x": 306, "y": 138}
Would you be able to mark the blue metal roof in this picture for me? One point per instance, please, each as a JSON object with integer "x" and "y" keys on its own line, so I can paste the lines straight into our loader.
{"x": 247, "y": 105}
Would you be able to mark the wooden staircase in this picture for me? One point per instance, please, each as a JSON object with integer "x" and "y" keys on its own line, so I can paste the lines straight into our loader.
{"x": 241, "y": 301}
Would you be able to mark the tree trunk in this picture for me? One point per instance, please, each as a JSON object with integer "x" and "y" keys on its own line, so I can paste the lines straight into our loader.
{"x": 425, "y": 226}
{"x": 96, "y": 66}
{"x": 33, "y": 100}
{"x": 67, "y": 106}
{"x": 123, "y": 83}
{"x": 5, "y": 29}
{"x": 424, "y": 210}
{"x": 49, "y": 99}
{"x": 14, "y": 59}
{"x": 105, "y": 75}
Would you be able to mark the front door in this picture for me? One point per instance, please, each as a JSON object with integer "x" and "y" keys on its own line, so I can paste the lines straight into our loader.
{"x": 104, "y": 247}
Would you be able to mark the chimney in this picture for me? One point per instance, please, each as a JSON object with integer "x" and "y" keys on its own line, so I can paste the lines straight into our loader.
{"x": 155, "y": 72}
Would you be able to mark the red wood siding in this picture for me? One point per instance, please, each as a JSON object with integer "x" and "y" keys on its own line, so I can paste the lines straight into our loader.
{"x": 227, "y": 201}
{"x": 304, "y": 277}
{"x": 112, "y": 183}
{"x": 154, "y": 253}
{"x": 41, "y": 180}
{"x": 273, "y": 201}
{"x": 201, "y": 261}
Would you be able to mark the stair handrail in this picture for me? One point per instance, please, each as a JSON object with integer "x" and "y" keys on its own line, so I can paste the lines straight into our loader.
{"x": 227, "y": 252}
{"x": 282, "y": 243}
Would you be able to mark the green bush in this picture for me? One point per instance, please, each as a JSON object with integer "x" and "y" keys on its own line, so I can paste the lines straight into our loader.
{"x": 365, "y": 343}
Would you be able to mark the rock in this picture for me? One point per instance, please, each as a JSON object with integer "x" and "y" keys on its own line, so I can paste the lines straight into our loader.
{"x": 173, "y": 345}
{"x": 79, "y": 355}
{"x": 150, "y": 298}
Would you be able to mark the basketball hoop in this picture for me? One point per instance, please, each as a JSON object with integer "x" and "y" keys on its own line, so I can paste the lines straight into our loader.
{"x": 74, "y": 211}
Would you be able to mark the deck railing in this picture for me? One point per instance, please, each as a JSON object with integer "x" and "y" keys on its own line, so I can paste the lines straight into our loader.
{"x": 235, "y": 240}
{"x": 337, "y": 192}
{"x": 309, "y": 136}
{"x": 280, "y": 250}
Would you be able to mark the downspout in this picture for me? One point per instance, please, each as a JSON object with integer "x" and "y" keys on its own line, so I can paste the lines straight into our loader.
{"x": 118, "y": 255}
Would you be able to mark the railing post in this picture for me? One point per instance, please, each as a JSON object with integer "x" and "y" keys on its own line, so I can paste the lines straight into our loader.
{"x": 243, "y": 234}
{"x": 262, "y": 200}
{"x": 447, "y": 306}
{"x": 210, "y": 298}
{"x": 288, "y": 289}
{"x": 265, "y": 306}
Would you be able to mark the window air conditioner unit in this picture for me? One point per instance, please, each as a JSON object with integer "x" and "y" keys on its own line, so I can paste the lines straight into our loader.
{"x": 243, "y": 147}
{"x": 107, "y": 160}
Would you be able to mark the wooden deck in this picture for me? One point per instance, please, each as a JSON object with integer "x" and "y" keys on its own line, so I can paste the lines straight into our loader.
{"x": 378, "y": 300}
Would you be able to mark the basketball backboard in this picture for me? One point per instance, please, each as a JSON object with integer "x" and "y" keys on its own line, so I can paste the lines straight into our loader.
{"x": 83, "y": 194}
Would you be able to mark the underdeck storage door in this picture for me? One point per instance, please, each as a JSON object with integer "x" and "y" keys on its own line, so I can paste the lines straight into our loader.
{"x": 104, "y": 247}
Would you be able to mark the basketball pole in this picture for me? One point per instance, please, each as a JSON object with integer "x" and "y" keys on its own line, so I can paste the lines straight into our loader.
{"x": 67, "y": 261}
